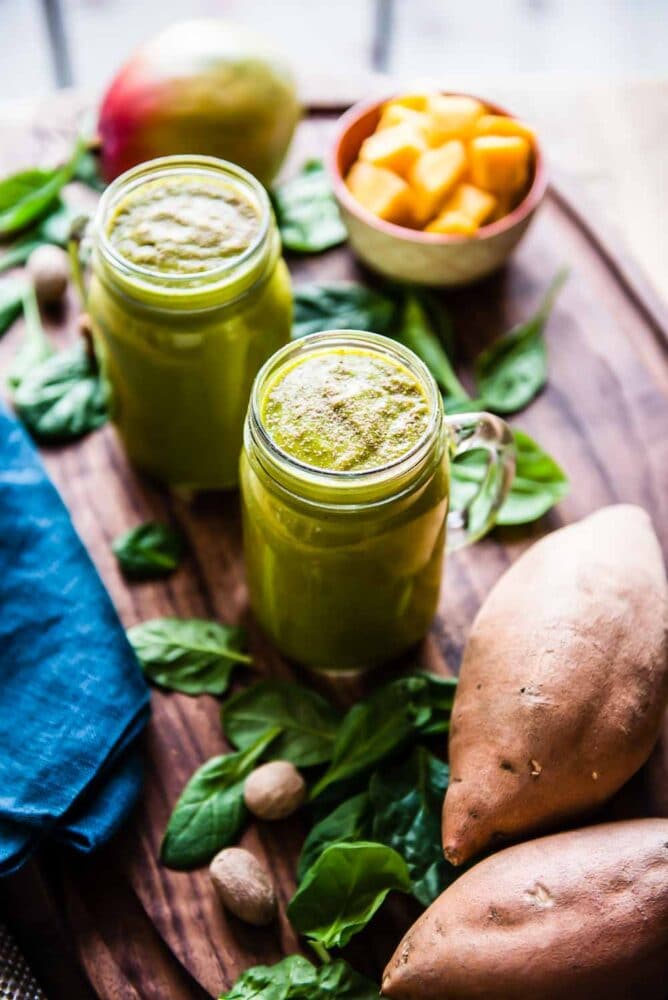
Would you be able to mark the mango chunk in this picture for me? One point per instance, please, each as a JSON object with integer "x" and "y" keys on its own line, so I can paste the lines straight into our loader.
{"x": 500, "y": 163}
{"x": 394, "y": 148}
{"x": 452, "y": 117}
{"x": 397, "y": 114}
{"x": 380, "y": 191}
{"x": 471, "y": 201}
{"x": 416, "y": 101}
{"x": 502, "y": 125}
{"x": 452, "y": 223}
{"x": 505, "y": 203}
{"x": 433, "y": 176}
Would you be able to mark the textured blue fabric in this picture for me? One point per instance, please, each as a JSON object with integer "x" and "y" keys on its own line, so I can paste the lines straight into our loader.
{"x": 94, "y": 819}
{"x": 72, "y": 698}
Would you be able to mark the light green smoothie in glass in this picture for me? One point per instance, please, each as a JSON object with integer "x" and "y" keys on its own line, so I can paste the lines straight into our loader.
{"x": 345, "y": 478}
{"x": 343, "y": 535}
{"x": 189, "y": 297}
{"x": 345, "y": 409}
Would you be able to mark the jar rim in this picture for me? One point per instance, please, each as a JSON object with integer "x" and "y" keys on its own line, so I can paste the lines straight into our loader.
{"x": 375, "y": 479}
{"x": 178, "y": 282}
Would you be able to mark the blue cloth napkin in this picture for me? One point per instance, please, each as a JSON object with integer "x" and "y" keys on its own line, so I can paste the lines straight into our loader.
{"x": 72, "y": 697}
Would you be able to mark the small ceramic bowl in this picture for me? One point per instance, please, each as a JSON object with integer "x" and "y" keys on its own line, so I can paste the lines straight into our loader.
{"x": 410, "y": 255}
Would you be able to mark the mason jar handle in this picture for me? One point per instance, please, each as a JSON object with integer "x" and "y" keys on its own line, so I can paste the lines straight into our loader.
{"x": 487, "y": 433}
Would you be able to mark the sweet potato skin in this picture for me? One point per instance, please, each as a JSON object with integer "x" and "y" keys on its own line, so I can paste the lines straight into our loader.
{"x": 577, "y": 915}
{"x": 563, "y": 683}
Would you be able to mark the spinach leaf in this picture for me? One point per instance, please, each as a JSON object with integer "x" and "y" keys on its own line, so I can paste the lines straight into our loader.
{"x": 54, "y": 228}
{"x": 407, "y": 800}
{"x": 452, "y": 405}
{"x": 513, "y": 369}
{"x": 297, "y": 979}
{"x": 63, "y": 397}
{"x": 350, "y": 821}
{"x": 308, "y": 722}
{"x": 417, "y": 332}
{"x": 12, "y": 294}
{"x": 307, "y": 214}
{"x": 340, "y": 306}
{"x": 149, "y": 550}
{"x": 381, "y": 724}
{"x": 344, "y": 889}
{"x": 439, "y": 317}
{"x": 285, "y": 980}
{"x": 370, "y": 731}
{"x": 88, "y": 171}
{"x": 211, "y": 811}
{"x": 337, "y": 981}
{"x": 436, "y": 703}
{"x": 191, "y": 655}
{"x": 36, "y": 347}
{"x": 538, "y": 485}
{"x": 29, "y": 194}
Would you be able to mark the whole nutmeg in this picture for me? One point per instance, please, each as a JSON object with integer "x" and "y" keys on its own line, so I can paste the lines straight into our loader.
{"x": 244, "y": 886}
{"x": 274, "y": 790}
{"x": 49, "y": 268}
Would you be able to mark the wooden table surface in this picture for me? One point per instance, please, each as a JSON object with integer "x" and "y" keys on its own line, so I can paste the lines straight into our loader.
{"x": 120, "y": 924}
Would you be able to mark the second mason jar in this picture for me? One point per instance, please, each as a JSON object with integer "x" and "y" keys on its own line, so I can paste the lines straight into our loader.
{"x": 189, "y": 296}
{"x": 345, "y": 478}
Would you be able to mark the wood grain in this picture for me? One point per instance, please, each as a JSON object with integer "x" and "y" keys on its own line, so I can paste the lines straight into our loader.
{"x": 140, "y": 930}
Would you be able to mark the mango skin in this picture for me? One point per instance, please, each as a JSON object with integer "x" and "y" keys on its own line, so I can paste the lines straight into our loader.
{"x": 201, "y": 87}
{"x": 578, "y": 915}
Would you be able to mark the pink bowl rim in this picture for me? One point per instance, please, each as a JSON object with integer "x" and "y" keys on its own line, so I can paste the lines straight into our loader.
{"x": 529, "y": 203}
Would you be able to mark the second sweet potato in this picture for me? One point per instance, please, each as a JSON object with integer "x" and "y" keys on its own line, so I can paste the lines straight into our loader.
{"x": 581, "y": 915}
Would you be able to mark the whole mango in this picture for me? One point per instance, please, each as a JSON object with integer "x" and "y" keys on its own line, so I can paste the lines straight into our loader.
{"x": 202, "y": 87}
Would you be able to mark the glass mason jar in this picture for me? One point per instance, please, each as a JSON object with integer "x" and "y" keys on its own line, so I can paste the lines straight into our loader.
{"x": 181, "y": 350}
{"x": 344, "y": 568}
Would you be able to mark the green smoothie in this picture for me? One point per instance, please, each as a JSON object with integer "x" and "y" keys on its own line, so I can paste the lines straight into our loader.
{"x": 183, "y": 224}
{"x": 346, "y": 410}
{"x": 189, "y": 297}
{"x": 344, "y": 479}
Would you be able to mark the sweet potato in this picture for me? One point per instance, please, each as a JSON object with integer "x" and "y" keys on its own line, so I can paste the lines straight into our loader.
{"x": 579, "y": 915}
{"x": 563, "y": 683}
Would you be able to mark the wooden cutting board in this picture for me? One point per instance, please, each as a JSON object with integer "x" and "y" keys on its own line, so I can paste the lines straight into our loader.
{"x": 122, "y": 926}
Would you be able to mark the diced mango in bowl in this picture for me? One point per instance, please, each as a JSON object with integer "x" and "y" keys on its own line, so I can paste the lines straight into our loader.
{"x": 433, "y": 176}
{"x": 443, "y": 163}
{"x": 452, "y": 223}
{"x": 502, "y": 125}
{"x": 396, "y": 148}
{"x": 499, "y": 162}
{"x": 452, "y": 117}
{"x": 399, "y": 114}
{"x": 381, "y": 191}
{"x": 473, "y": 201}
